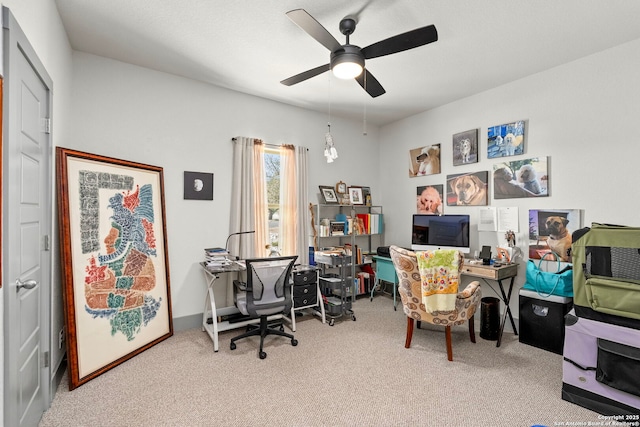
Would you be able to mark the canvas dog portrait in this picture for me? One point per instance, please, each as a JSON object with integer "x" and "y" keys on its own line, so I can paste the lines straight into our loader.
{"x": 521, "y": 178}
{"x": 467, "y": 189}
{"x": 550, "y": 233}
{"x": 424, "y": 160}
{"x": 506, "y": 140}
{"x": 465, "y": 147}
{"x": 429, "y": 199}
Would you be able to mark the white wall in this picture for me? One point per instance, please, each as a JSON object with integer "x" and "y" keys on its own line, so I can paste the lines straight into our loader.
{"x": 582, "y": 115}
{"x": 133, "y": 113}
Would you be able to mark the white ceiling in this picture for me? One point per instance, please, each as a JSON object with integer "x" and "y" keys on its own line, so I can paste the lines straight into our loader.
{"x": 251, "y": 45}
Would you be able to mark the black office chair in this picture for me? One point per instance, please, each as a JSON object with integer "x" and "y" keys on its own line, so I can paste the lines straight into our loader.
{"x": 266, "y": 292}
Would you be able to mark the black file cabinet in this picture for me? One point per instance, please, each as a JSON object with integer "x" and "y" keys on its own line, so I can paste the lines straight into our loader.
{"x": 306, "y": 293}
{"x": 305, "y": 289}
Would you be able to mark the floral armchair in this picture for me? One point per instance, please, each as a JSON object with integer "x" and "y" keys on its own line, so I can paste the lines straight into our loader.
{"x": 411, "y": 292}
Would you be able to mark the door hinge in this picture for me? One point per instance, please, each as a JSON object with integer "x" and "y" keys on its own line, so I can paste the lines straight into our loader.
{"x": 46, "y": 359}
{"x": 46, "y": 125}
{"x": 46, "y": 244}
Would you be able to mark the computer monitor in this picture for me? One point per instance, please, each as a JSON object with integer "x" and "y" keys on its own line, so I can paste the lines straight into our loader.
{"x": 431, "y": 232}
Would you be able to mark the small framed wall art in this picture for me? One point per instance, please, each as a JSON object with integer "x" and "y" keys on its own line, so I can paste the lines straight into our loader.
{"x": 505, "y": 140}
{"x": 429, "y": 199}
{"x": 198, "y": 186}
{"x": 468, "y": 189}
{"x": 465, "y": 147}
{"x": 424, "y": 160}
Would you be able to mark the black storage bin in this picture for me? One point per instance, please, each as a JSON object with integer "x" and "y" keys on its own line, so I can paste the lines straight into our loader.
{"x": 618, "y": 366}
{"x": 542, "y": 320}
{"x": 489, "y": 318}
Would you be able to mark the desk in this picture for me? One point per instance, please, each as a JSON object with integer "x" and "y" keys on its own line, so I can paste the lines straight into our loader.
{"x": 210, "y": 310}
{"x": 387, "y": 272}
{"x": 498, "y": 274}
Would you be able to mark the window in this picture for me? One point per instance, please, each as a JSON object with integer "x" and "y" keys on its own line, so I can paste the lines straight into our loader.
{"x": 272, "y": 161}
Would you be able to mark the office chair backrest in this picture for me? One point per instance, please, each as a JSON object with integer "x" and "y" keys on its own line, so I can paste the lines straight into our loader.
{"x": 269, "y": 285}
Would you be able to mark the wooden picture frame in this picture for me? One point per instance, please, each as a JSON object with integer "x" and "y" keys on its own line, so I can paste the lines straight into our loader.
{"x": 328, "y": 194}
{"x": 114, "y": 260}
{"x": 355, "y": 196}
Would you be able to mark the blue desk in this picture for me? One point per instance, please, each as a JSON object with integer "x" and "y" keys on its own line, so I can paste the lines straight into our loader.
{"x": 385, "y": 271}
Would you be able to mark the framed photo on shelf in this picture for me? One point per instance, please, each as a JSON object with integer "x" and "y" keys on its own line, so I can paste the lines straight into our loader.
{"x": 355, "y": 196}
{"x": 328, "y": 194}
{"x": 366, "y": 194}
{"x": 114, "y": 260}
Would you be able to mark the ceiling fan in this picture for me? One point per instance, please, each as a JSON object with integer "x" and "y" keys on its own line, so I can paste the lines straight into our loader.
{"x": 347, "y": 61}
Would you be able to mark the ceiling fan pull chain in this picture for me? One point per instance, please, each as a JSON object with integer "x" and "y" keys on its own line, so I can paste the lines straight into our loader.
{"x": 364, "y": 103}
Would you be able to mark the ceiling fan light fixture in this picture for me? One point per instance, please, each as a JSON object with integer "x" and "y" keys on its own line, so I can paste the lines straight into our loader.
{"x": 347, "y": 63}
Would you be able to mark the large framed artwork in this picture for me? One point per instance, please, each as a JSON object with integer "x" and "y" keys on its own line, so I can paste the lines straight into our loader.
{"x": 117, "y": 300}
{"x": 521, "y": 178}
{"x": 424, "y": 160}
{"x": 468, "y": 189}
{"x": 505, "y": 140}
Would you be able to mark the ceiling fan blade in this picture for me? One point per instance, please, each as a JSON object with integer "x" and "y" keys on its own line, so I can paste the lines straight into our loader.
{"x": 312, "y": 27}
{"x": 306, "y": 75}
{"x": 370, "y": 84}
{"x": 401, "y": 42}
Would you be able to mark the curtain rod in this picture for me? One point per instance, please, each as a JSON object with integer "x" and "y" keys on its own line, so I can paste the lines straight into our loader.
{"x": 268, "y": 145}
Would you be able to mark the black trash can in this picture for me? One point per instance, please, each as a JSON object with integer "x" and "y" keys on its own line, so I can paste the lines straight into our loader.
{"x": 489, "y": 318}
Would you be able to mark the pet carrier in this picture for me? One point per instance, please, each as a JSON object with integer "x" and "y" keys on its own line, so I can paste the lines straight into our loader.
{"x": 606, "y": 274}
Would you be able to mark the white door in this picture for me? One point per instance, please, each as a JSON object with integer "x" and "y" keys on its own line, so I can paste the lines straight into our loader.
{"x": 26, "y": 230}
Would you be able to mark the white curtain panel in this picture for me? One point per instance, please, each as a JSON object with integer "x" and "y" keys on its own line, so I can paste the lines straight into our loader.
{"x": 302, "y": 208}
{"x": 242, "y": 201}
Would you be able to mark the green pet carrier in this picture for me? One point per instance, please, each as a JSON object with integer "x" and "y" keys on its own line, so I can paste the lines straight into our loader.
{"x": 606, "y": 274}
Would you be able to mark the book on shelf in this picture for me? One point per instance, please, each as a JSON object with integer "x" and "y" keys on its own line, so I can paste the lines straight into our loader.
{"x": 369, "y": 223}
{"x": 337, "y": 228}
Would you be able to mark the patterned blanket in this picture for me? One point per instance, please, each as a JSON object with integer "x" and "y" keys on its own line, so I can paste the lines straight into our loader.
{"x": 439, "y": 273}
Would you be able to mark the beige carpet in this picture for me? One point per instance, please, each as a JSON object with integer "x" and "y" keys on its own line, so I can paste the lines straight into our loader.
{"x": 351, "y": 374}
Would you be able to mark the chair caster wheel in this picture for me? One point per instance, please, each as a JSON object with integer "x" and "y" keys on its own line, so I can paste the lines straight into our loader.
{"x": 232, "y": 346}
{"x": 281, "y": 328}
{"x": 262, "y": 355}
{"x": 332, "y": 322}
{"x": 353, "y": 317}
{"x": 294, "y": 342}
